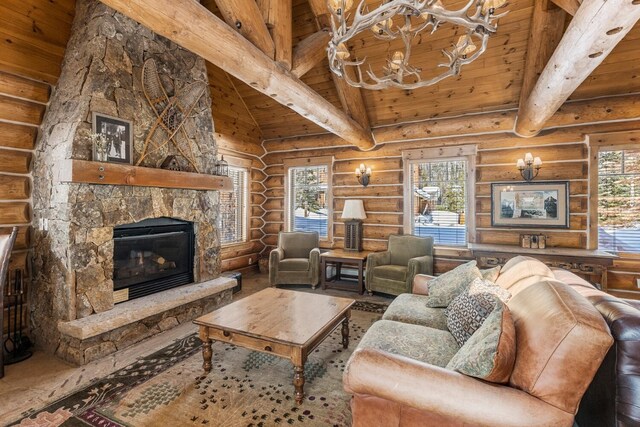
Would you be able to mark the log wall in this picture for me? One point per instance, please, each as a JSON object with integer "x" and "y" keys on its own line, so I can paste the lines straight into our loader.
{"x": 565, "y": 153}
{"x": 237, "y": 134}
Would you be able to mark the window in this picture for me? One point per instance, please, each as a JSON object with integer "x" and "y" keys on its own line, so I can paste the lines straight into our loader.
{"x": 308, "y": 197}
{"x": 437, "y": 195}
{"x": 232, "y": 218}
{"x": 619, "y": 200}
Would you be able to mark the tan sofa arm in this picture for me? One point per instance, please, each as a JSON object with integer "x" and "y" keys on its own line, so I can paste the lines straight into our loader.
{"x": 446, "y": 394}
{"x": 421, "y": 284}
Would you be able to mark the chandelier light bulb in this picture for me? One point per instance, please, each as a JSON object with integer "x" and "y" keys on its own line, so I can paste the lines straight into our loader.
{"x": 537, "y": 162}
{"x": 396, "y": 60}
{"x": 528, "y": 158}
{"x": 489, "y": 6}
{"x": 340, "y": 6}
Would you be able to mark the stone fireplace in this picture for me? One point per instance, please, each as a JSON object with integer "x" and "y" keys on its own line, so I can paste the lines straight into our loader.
{"x": 73, "y": 298}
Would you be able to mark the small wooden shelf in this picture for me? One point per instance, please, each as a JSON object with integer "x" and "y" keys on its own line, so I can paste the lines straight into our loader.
{"x": 88, "y": 172}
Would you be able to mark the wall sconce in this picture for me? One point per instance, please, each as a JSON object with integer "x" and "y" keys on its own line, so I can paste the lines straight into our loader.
{"x": 529, "y": 167}
{"x": 363, "y": 173}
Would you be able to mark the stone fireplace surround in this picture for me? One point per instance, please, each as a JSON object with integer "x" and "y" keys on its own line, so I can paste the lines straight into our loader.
{"x": 72, "y": 308}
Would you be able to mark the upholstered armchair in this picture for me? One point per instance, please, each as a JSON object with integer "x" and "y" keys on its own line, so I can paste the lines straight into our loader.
{"x": 392, "y": 272}
{"x": 296, "y": 260}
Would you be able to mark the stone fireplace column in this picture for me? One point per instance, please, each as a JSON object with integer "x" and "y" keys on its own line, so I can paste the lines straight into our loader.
{"x": 73, "y": 259}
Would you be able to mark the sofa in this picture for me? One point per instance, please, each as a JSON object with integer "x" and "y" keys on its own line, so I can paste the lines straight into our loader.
{"x": 393, "y": 270}
{"x": 397, "y": 375}
{"x": 296, "y": 259}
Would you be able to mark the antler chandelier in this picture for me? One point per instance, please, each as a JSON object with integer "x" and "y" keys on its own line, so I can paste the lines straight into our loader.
{"x": 404, "y": 20}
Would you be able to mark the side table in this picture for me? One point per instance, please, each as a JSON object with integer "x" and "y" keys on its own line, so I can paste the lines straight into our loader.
{"x": 338, "y": 258}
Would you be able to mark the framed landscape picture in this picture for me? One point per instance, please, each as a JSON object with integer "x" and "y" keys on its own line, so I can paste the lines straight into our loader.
{"x": 119, "y": 136}
{"x": 539, "y": 205}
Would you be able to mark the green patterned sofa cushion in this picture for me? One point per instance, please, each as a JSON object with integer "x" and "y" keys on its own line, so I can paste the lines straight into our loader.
{"x": 491, "y": 274}
{"x": 444, "y": 288}
{"x": 410, "y": 308}
{"x": 468, "y": 311}
{"x": 433, "y": 346}
{"x": 490, "y": 353}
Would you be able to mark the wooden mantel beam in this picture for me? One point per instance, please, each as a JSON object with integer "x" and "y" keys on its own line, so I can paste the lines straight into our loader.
{"x": 597, "y": 27}
{"x": 245, "y": 17}
{"x": 569, "y": 6}
{"x": 193, "y": 27}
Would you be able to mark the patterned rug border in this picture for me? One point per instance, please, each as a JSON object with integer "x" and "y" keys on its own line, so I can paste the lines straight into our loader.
{"x": 101, "y": 390}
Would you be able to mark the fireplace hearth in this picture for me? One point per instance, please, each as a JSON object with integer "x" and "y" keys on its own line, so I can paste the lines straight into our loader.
{"x": 151, "y": 256}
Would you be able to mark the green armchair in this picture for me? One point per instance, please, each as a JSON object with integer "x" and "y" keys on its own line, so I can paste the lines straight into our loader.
{"x": 392, "y": 272}
{"x": 296, "y": 260}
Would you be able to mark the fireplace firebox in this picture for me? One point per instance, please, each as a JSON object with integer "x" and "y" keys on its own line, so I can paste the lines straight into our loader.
{"x": 151, "y": 256}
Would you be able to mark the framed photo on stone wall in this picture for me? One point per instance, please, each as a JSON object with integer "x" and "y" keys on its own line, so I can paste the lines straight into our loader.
{"x": 539, "y": 205}
{"x": 119, "y": 136}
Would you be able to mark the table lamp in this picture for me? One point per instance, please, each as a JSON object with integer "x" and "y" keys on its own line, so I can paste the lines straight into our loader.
{"x": 353, "y": 212}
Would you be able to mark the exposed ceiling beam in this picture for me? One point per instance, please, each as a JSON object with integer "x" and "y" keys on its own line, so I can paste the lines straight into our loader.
{"x": 193, "y": 27}
{"x": 569, "y": 6}
{"x": 309, "y": 52}
{"x": 350, "y": 96}
{"x": 279, "y": 18}
{"x": 547, "y": 27}
{"x": 244, "y": 16}
{"x": 597, "y": 27}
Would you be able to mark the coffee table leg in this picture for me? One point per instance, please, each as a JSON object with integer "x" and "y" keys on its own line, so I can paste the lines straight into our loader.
{"x": 345, "y": 332}
{"x": 298, "y": 382}
{"x": 207, "y": 353}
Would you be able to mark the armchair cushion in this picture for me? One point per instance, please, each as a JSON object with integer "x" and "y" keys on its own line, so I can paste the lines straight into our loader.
{"x": 489, "y": 354}
{"x": 444, "y": 288}
{"x": 433, "y": 346}
{"x": 298, "y": 244}
{"x": 294, "y": 264}
{"x": 391, "y": 272}
{"x": 410, "y": 308}
{"x": 404, "y": 247}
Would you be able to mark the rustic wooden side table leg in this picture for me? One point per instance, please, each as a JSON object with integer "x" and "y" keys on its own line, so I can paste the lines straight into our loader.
{"x": 345, "y": 331}
{"x": 360, "y": 277}
{"x": 323, "y": 273}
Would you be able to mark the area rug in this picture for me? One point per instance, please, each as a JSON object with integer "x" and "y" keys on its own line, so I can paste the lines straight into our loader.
{"x": 244, "y": 388}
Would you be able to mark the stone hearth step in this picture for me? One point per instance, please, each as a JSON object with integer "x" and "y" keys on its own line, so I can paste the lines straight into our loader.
{"x": 95, "y": 336}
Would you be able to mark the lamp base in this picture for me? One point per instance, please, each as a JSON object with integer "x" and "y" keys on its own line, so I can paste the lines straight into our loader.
{"x": 353, "y": 235}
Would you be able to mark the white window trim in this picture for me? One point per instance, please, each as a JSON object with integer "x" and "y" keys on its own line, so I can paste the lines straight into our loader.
{"x": 466, "y": 152}
{"x": 315, "y": 161}
{"x": 595, "y": 147}
{"x": 241, "y": 163}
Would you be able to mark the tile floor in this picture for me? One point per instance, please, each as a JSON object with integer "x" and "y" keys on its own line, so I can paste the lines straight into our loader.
{"x": 43, "y": 378}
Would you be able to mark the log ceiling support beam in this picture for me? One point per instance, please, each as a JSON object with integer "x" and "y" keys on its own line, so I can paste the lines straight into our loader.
{"x": 569, "y": 6}
{"x": 350, "y": 96}
{"x": 245, "y": 17}
{"x": 547, "y": 27}
{"x": 278, "y": 16}
{"x": 597, "y": 27}
{"x": 310, "y": 52}
{"x": 193, "y": 27}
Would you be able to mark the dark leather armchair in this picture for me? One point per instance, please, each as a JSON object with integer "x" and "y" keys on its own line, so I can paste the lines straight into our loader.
{"x": 6, "y": 246}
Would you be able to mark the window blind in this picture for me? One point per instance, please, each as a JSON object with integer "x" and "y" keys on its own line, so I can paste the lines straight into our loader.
{"x": 233, "y": 209}
{"x": 438, "y": 201}
{"x": 308, "y": 210}
{"x": 619, "y": 200}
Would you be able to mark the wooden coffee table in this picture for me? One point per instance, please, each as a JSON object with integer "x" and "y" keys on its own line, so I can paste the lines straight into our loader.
{"x": 284, "y": 323}
{"x": 338, "y": 257}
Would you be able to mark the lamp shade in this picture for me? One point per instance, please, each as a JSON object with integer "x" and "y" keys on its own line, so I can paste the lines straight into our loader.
{"x": 353, "y": 209}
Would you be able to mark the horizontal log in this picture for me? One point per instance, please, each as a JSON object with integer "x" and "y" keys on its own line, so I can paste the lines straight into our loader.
{"x": 256, "y": 234}
{"x": 622, "y": 281}
{"x": 15, "y": 161}
{"x": 274, "y": 182}
{"x": 576, "y": 205}
{"x": 258, "y": 175}
{"x": 577, "y": 151}
{"x": 376, "y": 178}
{"x": 234, "y": 251}
{"x": 256, "y": 223}
{"x": 274, "y": 217}
{"x": 257, "y": 187}
{"x": 377, "y": 165}
{"x": 614, "y": 108}
{"x": 616, "y": 138}
{"x": 272, "y": 228}
{"x": 576, "y": 222}
{"x": 270, "y": 240}
{"x": 17, "y": 136}
{"x": 274, "y": 193}
{"x": 369, "y": 231}
{"x": 23, "y": 88}
{"x": 566, "y": 171}
{"x": 237, "y": 263}
{"x": 14, "y": 187}
{"x": 15, "y": 213}
{"x": 370, "y": 191}
{"x": 257, "y": 211}
{"x": 17, "y": 110}
{"x": 238, "y": 144}
{"x": 373, "y": 219}
{"x": 374, "y": 205}
{"x": 575, "y": 188}
{"x": 442, "y": 265}
{"x": 554, "y": 238}
{"x": 23, "y": 239}
{"x": 257, "y": 199}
